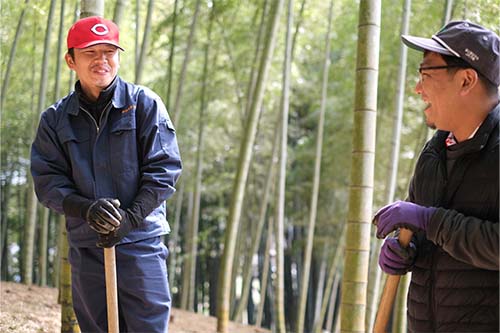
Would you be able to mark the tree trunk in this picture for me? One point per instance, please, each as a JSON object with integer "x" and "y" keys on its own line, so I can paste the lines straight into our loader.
{"x": 192, "y": 237}
{"x": 265, "y": 273}
{"x": 60, "y": 224}
{"x": 354, "y": 283}
{"x": 334, "y": 269}
{"x": 4, "y": 225}
{"x": 68, "y": 318}
{"x": 447, "y": 11}
{"x": 145, "y": 44}
{"x": 12, "y": 55}
{"x": 465, "y": 11}
{"x": 178, "y": 97}
{"x": 297, "y": 27}
{"x": 247, "y": 273}
{"x": 320, "y": 287}
{"x": 392, "y": 169}
{"x": 119, "y": 9}
{"x": 256, "y": 57}
{"x": 280, "y": 199}
{"x": 331, "y": 309}
{"x": 304, "y": 282}
{"x": 137, "y": 43}
{"x": 91, "y": 8}
{"x": 234, "y": 70}
{"x": 170, "y": 77}
{"x": 29, "y": 228}
{"x": 59, "y": 53}
{"x": 185, "y": 275}
{"x": 42, "y": 247}
{"x": 174, "y": 239}
{"x": 242, "y": 173}
{"x": 374, "y": 281}
{"x": 29, "y": 234}
{"x": 61, "y": 237}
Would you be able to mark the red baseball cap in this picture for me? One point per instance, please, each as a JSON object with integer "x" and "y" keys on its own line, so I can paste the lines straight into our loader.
{"x": 91, "y": 31}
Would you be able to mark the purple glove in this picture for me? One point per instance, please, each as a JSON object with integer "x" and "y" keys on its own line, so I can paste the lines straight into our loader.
{"x": 395, "y": 259}
{"x": 402, "y": 214}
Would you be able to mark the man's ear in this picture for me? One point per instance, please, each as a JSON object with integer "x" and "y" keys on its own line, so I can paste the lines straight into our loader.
{"x": 468, "y": 79}
{"x": 69, "y": 61}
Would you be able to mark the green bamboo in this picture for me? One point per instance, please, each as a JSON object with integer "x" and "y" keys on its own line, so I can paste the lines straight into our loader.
{"x": 245, "y": 156}
{"x": 356, "y": 259}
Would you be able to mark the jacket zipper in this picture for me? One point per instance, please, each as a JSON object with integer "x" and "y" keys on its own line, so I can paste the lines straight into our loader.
{"x": 433, "y": 302}
{"x": 105, "y": 110}
{"x": 92, "y": 118}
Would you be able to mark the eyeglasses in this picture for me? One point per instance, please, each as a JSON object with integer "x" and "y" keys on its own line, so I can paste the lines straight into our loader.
{"x": 421, "y": 69}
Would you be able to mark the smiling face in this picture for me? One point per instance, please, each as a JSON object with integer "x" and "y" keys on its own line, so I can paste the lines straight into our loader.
{"x": 96, "y": 67}
{"x": 440, "y": 90}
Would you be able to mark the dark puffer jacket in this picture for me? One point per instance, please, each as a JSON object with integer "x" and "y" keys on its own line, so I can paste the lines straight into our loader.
{"x": 455, "y": 280}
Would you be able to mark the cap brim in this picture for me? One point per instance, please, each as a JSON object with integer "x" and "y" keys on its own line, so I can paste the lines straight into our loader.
{"x": 95, "y": 42}
{"x": 424, "y": 44}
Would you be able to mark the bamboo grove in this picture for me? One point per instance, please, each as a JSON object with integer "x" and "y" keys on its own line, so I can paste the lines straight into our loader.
{"x": 265, "y": 96}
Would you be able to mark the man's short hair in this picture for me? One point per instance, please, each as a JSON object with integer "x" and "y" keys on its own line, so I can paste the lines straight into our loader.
{"x": 457, "y": 63}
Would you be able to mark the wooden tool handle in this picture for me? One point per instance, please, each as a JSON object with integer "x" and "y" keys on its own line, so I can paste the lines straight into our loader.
{"x": 390, "y": 290}
{"x": 404, "y": 237}
{"x": 111, "y": 289}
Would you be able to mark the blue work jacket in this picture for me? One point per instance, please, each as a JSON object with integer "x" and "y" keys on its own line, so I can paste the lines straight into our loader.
{"x": 133, "y": 150}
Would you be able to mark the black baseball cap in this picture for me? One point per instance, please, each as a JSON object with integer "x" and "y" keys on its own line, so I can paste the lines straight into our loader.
{"x": 476, "y": 45}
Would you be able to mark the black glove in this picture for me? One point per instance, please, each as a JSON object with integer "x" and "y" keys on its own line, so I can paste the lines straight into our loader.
{"x": 101, "y": 215}
{"x": 129, "y": 222}
{"x": 145, "y": 202}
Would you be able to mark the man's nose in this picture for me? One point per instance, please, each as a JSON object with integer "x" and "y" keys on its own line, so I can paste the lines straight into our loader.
{"x": 418, "y": 87}
{"x": 102, "y": 56}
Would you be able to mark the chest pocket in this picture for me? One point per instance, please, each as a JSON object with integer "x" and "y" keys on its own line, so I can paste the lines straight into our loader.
{"x": 76, "y": 141}
{"x": 77, "y": 134}
{"x": 123, "y": 144}
{"x": 123, "y": 124}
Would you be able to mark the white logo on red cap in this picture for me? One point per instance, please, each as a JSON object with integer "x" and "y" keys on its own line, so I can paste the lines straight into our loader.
{"x": 100, "y": 29}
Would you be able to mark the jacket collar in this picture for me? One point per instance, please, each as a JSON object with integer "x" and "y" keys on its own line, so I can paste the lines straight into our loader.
{"x": 119, "y": 99}
{"x": 120, "y": 96}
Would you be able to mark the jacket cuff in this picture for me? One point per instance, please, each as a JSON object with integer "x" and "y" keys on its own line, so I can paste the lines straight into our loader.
{"x": 434, "y": 226}
{"x": 75, "y": 205}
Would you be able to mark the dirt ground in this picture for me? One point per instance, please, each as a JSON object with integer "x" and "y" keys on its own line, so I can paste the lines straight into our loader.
{"x": 33, "y": 309}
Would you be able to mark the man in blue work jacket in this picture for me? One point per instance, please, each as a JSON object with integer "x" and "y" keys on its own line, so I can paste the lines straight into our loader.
{"x": 107, "y": 157}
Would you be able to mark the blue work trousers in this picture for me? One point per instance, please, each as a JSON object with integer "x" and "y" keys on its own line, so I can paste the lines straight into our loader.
{"x": 143, "y": 294}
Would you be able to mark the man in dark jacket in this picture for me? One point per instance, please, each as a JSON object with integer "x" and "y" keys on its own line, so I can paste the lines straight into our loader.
{"x": 107, "y": 157}
{"x": 453, "y": 203}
